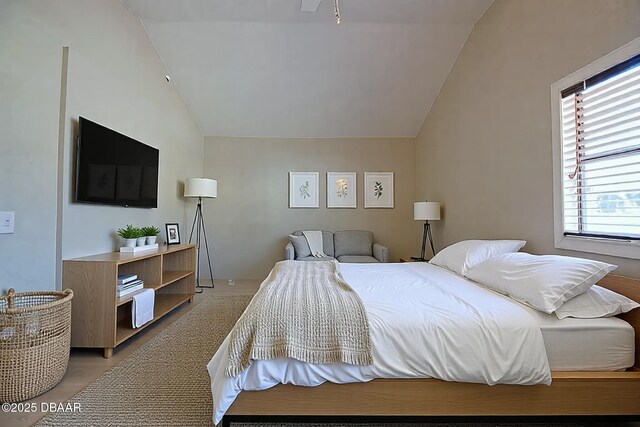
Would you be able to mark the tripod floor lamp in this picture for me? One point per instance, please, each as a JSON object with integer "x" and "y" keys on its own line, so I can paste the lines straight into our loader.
{"x": 426, "y": 211}
{"x": 200, "y": 188}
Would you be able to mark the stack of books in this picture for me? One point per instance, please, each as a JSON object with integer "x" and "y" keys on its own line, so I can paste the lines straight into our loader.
{"x": 128, "y": 283}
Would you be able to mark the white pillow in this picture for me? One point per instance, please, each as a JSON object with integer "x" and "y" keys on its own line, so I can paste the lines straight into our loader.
{"x": 543, "y": 282}
{"x": 596, "y": 302}
{"x": 463, "y": 256}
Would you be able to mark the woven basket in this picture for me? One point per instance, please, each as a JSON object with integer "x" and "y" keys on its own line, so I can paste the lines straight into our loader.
{"x": 35, "y": 337}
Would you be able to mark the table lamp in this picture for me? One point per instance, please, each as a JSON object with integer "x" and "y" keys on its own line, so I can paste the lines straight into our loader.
{"x": 426, "y": 211}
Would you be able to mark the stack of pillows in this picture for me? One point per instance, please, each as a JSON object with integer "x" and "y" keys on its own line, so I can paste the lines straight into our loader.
{"x": 556, "y": 284}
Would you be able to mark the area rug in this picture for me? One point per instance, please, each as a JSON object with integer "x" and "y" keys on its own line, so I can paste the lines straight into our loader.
{"x": 163, "y": 383}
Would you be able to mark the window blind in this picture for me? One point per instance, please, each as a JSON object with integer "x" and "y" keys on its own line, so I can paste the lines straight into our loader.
{"x": 601, "y": 154}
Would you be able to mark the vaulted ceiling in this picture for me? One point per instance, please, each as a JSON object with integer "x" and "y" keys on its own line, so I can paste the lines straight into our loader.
{"x": 265, "y": 68}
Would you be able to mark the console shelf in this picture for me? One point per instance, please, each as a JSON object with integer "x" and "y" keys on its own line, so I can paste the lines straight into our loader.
{"x": 99, "y": 318}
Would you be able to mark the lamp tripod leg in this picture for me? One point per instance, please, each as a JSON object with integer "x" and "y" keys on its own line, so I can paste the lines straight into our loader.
{"x": 206, "y": 245}
{"x": 425, "y": 229}
{"x": 199, "y": 228}
{"x": 198, "y": 242}
{"x": 193, "y": 227}
{"x": 433, "y": 251}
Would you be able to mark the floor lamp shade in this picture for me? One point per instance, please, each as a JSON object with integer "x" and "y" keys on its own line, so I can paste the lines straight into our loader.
{"x": 426, "y": 211}
{"x": 201, "y": 187}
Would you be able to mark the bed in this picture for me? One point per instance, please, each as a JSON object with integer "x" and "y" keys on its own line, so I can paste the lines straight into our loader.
{"x": 587, "y": 359}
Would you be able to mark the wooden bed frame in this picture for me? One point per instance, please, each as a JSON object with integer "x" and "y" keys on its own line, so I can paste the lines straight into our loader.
{"x": 570, "y": 394}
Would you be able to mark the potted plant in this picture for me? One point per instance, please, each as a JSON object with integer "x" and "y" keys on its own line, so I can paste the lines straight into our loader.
{"x": 141, "y": 238}
{"x": 151, "y": 234}
{"x": 130, "y": 235}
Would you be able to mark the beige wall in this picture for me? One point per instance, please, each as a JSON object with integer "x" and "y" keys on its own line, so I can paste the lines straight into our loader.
{"x": 115, "y": 78}
{"x": 485, "y": 148}
{"x": 249, "y": 222}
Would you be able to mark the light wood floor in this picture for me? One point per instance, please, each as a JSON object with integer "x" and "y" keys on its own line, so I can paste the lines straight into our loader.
{"x": 86, "y": 365}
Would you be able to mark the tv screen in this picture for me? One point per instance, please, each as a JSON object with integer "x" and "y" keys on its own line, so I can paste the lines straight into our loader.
{"x": 114, "y": 169}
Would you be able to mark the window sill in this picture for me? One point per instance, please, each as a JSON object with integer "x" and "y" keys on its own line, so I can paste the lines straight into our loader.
{"x": 624, "y": 249}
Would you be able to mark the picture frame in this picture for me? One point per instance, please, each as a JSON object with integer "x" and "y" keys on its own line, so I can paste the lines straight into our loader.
{"x": 342, "y": 191}
{"x": 304, "y": 189}
{"x": 173, "y": 233}
{"x": 378, "y": 190}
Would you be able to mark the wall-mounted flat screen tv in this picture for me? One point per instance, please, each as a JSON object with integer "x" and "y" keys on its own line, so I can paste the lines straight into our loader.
{"x": 114, "y": 169}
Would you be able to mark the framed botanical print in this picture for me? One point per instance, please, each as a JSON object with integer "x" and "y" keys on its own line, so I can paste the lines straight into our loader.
{"x": 378, "y": 189}
{"x": 341, "y": 190}
{"x": 303, "y": 189}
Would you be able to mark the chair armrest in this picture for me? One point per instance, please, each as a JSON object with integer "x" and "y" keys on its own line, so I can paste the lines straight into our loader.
{"x": 381, "y": 253}
{"x": 289, "y": 252}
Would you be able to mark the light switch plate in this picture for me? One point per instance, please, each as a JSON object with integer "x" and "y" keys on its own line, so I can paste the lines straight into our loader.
{"x": 6, "y": 222}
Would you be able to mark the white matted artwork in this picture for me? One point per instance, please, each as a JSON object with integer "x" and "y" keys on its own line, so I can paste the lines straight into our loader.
{"x": 303, "y": 189}
{"x": 341, "y": 190}
{"x": 378, "y": 189}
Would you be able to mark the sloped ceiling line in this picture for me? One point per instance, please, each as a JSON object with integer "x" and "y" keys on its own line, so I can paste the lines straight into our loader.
{"x": 309, "y": 5}
{"x": 255, "y": 68}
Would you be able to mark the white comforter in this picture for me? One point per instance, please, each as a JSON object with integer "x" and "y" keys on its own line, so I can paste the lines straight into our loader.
{"x": 425, "y": 322}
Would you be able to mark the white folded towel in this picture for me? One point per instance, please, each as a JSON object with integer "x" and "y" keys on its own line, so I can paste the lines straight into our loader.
{"x": 142, "y": 307}
{"x": 314, "y": 238}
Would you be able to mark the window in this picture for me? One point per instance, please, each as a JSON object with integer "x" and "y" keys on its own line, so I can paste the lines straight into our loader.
{"x": 601, "y": 154}
{"x": 597, "y": 169}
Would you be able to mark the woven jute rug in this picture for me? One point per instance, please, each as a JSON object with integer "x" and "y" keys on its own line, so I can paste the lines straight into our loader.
{"x": 163, "y": 383}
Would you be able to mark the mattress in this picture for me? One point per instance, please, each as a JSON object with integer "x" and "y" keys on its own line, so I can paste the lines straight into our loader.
{"x": 604, "y": 344}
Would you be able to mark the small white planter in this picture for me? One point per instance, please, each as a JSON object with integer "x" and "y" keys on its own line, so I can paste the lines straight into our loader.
{"x": 141, "y": 241}
{"x": 130, "y": 243}
{"x": 151, "y": 240}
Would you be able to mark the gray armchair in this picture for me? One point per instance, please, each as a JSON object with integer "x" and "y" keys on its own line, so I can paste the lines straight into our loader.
{"x": 345, "y": 246}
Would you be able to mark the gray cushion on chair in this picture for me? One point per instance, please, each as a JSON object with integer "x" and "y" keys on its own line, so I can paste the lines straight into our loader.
{"x": 301, "y": 246}
{"x": 353, "y": 242}
{"x": 327, "y": 242}
{"x": 357, "y": 258}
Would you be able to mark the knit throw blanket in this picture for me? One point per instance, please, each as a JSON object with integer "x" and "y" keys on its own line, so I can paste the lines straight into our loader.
{"x": 314, "y": 239}
{"x": 306, "y": 311}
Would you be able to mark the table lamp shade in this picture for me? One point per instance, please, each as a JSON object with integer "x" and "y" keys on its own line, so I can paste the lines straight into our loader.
{"x": 426, "y": 211}
{"x": 201, "y": 187}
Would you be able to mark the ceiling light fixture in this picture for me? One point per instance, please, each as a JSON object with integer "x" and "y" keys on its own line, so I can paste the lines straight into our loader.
{"x": 336, "y": 11}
